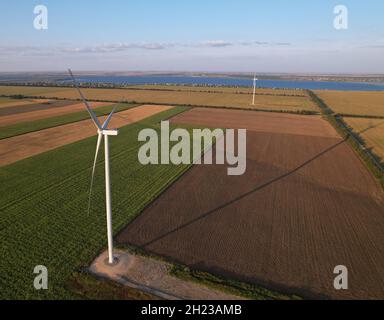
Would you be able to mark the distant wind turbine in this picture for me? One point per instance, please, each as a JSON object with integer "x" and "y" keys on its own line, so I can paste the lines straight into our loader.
{"x": 254, "y": 89}
{"x": 102, "y": 132}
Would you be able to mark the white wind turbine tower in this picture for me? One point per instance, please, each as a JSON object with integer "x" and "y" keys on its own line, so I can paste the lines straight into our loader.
{"x": 102, "y": 132}
{"x": 254, "y": 89}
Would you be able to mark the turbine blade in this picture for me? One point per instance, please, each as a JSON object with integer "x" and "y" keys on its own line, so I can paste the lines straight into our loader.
{"x": 90, "y": 111}
{"x": 99, "y": 138}
{"x": 106, "y": 122}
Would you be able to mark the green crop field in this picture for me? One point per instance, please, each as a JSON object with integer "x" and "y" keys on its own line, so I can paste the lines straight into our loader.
{"x": 363, "y": 103}
{"x": 44, "y": 220}
{"x": 226, "y": 99}
{"x": 30, "y": 126}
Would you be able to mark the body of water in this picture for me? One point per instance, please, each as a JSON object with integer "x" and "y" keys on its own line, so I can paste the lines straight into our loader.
{"x": 226, "y": 81}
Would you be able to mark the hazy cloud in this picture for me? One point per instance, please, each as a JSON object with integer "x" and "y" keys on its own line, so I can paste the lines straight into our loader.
{"x": 282, "y": 44}
{"x": 121, "y": 46}
{"x": 263, "y": 43}
{"x": 251, "y": 43}
{"x": 215, "y": 43}
{"x": 113, "y": 47}
{"x": 222, "y": 43}
{"x": 373, "y": 46}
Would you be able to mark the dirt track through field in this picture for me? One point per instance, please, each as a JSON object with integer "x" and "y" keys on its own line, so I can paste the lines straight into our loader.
{"x": 305, "y": 205}
{"x": 27, "y": 145}
{"x": 153, "y": 276}
{"x": 46, "y": 112}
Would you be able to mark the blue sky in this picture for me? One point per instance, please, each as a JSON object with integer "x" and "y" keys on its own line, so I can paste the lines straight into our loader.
{"x": 227, "y": 35}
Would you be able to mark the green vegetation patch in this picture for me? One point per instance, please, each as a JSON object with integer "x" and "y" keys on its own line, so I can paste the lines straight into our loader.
{"x": 87, "y": 286}
{"x": 246, "y": 290}
{"x": 43, "y": 208}
{"x": 230, "y": 286}
{"x": 31, "y": 126}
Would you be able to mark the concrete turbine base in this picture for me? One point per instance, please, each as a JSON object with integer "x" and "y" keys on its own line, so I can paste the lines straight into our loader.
{"x": 121, "y": 263}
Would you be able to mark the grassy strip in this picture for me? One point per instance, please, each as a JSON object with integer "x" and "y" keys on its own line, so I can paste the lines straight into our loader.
{"x": 211, "y": 91}
{"x": 365, "y": 116}
{"x": 22, "y": 96}
{"x": 31, "y": 126}
{"x": 320, "y": 103}
{"x": 43, "y": 208}
{"x": 87, "y": 286}
{"x": 234, "y": 287}
{"x": 192, "y": 88}
{"x": 230, "y": 286}
{"x": 371, "y": 160}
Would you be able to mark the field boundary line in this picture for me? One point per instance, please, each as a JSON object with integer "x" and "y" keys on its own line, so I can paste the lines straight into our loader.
{"x": 131, "y": 87}
{"x": 366, "y": 116}
{"x": 357, "y": 143}
{"x": 97, "y": 110}
{"x": 298, "y": 112}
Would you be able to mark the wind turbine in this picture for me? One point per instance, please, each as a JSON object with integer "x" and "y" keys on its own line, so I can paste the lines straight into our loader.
{"x": 102, "y": 132}
{"x": 254, "y": 89}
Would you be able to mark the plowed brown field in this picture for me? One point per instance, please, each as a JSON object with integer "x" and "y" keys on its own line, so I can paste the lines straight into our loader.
{"x": 257, "y": 121}
{"x": 305, "y": 205}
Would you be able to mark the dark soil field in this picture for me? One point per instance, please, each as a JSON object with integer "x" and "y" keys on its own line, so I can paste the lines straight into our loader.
{"x": 5, "y": 111}
{"x": 32, "y": 112}
{"x": 305, "y": 204}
